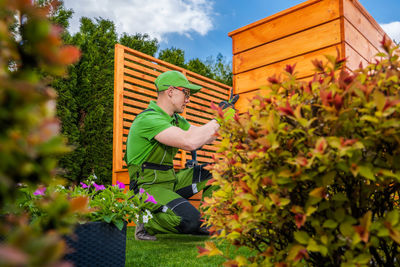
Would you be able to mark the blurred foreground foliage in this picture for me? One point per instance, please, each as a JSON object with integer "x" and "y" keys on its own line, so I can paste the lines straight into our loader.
{"x": 31, "y": 51}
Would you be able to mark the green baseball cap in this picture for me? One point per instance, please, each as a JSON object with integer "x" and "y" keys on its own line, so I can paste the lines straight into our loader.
{"x": 176, "y": 79}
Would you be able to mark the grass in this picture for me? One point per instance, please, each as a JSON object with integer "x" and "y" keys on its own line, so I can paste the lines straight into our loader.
{"x": 173, "y": 250}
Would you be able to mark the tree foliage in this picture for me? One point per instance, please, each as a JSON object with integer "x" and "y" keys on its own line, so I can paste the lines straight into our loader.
{"x": 174, "y": 56}
{"x": 310, "y": 175}
{"x": 140, "y": 42}
{"x": 85, "y": 104}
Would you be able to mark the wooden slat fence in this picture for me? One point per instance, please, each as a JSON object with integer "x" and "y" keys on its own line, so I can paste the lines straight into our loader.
{"x": 134, "y": 87}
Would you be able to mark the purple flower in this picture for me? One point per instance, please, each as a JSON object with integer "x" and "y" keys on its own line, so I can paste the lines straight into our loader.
{"x": 151, "y": 199}
{"x": 84, "y": 185}
{"x": 120, "y": 185}
{"x": 40, "y": 191}
{"x": 141, "y": 191}
{"x": 98, "y": 187}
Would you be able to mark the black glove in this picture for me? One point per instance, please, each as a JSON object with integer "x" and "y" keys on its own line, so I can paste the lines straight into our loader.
{"x": 193, "y": 162}
{"x": 230, "y": 103}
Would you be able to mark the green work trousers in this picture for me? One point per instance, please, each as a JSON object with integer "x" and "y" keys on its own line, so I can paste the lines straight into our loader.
{"x": 173, "y": 212}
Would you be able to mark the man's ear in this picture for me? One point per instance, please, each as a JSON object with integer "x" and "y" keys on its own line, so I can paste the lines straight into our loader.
{"x": 169, "y": 91}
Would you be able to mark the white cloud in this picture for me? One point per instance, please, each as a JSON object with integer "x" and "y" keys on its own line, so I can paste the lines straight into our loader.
{"x": 393, "y": 30}
{"x": 157, "y": 18}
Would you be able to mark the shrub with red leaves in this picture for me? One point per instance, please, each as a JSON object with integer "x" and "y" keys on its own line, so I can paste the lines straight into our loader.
{"x": 310, "y": 174}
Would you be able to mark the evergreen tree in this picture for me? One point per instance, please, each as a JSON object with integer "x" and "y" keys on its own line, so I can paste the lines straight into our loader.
{"x": 140, "y": 42}
{"x": 58, "y": 14}
{"x": 199, "y": 67}
{"x": 86, "y": 98}
{"x": 67, "y": 112}
{"x": 221, "y": 69}
{"x": 91, "y": 85}
{"x": 174, "y": 56}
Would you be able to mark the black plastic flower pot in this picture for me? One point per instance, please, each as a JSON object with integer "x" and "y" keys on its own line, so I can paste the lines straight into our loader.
{"x": 97, "y": 244}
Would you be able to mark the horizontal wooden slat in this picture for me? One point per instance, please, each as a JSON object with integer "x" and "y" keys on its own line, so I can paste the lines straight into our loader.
{"x": 145, "y": 62}
{"x": 138, "y": 104}
{"x": 220, "y": 90}
{"x": 138, "y": 89}
{"x": 363, "y": 22}
{"x": 139, "y": 75}
{"x": 243, "y": 103}
{"x": 358, "y": 42}
{"x": 132, "y": 97}
{"x": 272, "y": 17}
{"x": 297, "y": 44}
{"x": 135, "y": 81}
{"x": 132, "y": 110}
{"x": 140, "y": 68}
{"x": 293, "y": 21}
{"x": 354, "y": 58}
{"x": 254, "y": 79}
{"x": 199, "y": 114}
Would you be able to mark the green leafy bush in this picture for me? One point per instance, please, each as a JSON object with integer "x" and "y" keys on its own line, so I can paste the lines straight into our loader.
{"x": 310, "y": 174}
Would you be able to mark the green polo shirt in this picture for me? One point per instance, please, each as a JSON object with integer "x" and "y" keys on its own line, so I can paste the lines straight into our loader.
{"x": 141, "y": 140}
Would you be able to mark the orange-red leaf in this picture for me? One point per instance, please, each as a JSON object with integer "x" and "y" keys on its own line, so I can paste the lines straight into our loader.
{"x": 300, "y": 219}
{"x": 69, "y": 54}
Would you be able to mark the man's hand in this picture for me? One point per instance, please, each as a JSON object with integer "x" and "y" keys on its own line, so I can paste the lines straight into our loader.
{"x": 193, "y": 162}
{"x": 230, "y": 103}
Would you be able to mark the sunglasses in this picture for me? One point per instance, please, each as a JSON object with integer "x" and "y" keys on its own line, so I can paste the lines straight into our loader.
{"x": 184, "y": 90}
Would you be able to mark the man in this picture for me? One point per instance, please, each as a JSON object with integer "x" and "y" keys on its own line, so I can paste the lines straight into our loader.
{"x": 153, "y": 140}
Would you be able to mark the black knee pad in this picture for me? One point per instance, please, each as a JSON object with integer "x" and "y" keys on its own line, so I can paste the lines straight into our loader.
{"x": 186, "y": 192}
{"x": 200, "y": 174}
{"x": 190, "y": 216}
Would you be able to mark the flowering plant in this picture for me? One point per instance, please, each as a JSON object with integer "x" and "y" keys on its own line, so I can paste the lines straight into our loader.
{"x": 111, "y": 203}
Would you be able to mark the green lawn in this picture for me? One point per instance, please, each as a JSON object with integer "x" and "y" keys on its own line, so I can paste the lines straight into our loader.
{"x": 172, "y": 251}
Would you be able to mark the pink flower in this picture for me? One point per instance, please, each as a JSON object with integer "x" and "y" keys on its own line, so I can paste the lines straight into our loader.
{"x": 141, "y": 191}
{"x": 84, "y": 185}
{"x": 151, "y": 199}
{"x": 99, "y": 187}
{"x": 40, "y": 191}
{"x": 120, "y": 185}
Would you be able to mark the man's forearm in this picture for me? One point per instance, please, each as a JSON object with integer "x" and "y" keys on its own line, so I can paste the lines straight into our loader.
{"x": 191, "y": 139}
{"x": 199, "y": 136}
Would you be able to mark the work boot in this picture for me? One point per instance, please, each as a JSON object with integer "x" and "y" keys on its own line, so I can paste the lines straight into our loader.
{"x": 141, "y": 234}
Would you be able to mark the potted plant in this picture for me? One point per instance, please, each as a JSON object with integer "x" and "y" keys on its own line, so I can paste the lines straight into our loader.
{"x": 103, "y": 211}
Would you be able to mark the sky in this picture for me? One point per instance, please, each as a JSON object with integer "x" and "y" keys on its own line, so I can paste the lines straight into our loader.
{"x": 201, "y": 27}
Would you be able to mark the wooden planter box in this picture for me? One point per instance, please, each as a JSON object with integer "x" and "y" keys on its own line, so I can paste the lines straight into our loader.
{"x": 97, "y": 244}
{"x": 298, "y": 35}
